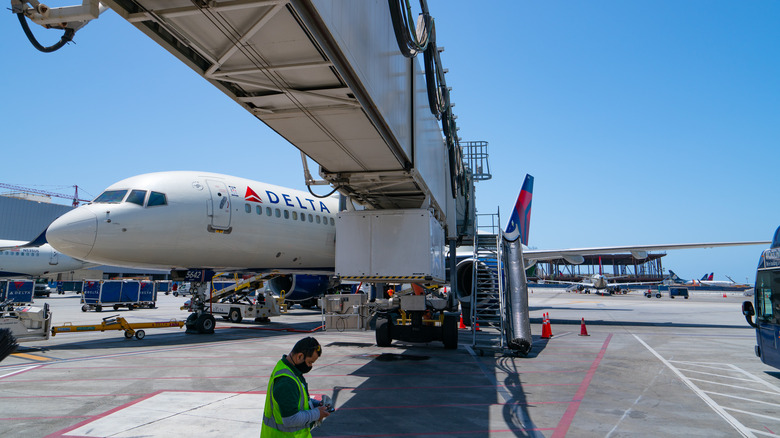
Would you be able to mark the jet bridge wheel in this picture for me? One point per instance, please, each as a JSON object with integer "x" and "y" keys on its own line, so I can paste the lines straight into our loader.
{"x": 449, "y": 332}
{"x": 383, "y": 332}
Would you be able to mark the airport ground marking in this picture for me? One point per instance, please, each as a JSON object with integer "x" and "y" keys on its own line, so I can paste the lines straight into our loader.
{"x": 761, "y": 432}
{"x": 563, "y": 426}
{"x": 766, "y": 417}
{"x": 756, "y": 379}
{"x": 739, "y": 427}
{"x": 715, "y": 375}
{"x": 12, "y": 373}
{"x": 743, "y": 398}
{"x": 732, "y": 386}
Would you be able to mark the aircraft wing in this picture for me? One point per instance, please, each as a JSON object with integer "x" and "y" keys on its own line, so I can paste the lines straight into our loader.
{"x": 638, "y": 251}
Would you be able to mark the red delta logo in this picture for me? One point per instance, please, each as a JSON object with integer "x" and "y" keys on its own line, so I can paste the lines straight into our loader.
{"x": 252, "y": 196}
{"x": 18, "y": 284}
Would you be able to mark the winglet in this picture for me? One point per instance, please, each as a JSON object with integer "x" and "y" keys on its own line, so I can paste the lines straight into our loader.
{"x": 520, "y": 219}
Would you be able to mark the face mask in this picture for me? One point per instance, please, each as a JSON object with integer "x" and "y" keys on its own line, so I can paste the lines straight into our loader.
{"x": 302, "y": 367}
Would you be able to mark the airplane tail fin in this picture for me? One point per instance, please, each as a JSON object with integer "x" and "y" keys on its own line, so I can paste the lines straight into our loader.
{"x": 673, "y": 276}
{"x": 712, "y": 274}
{"x": 704, "y": 278}
{"x": 520, "y": 219}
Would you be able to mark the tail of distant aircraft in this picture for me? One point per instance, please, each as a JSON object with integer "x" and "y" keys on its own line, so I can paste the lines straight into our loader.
{"x": 705, "y": 277}
{"x": 675, "y": 278}
{"x": 712, "y": 274}
{"x": 520, "y": 219}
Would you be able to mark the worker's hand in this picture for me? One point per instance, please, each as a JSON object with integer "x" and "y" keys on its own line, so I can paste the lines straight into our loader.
{"x": 323, "y": 412}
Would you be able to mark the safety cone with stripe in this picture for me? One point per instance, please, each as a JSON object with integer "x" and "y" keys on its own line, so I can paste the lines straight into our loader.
{"x": 461, "y": 326}
{"x": 583, "y": 329}
{"x": 546, "y": 329}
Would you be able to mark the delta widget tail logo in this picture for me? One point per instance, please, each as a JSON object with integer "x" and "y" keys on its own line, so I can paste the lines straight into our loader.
{"x": 252, "y": 196}
{"x": 520, "y": 220}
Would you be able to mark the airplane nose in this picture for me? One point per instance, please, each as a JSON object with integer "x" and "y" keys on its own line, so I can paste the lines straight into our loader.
{"x": 74, "y": 233}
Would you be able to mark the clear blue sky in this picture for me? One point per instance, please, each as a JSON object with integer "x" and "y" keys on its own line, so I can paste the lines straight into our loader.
{"x": 642, "y": 122}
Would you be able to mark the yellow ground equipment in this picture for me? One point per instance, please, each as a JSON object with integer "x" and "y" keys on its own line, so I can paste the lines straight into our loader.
{"x": 116, "y": 322}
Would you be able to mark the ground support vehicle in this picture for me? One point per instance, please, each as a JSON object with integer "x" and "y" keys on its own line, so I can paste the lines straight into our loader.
{"x": 650, "y": 293}
{"x": 116, "y": 322}
{"x": 412, "y": 315}
{"x": 236, "y": 308}
{"x": 767, "y": 305}
{"x": 678, "y": 292}
{"x": 27, "y": 322}
{"x": 117, "y": 293}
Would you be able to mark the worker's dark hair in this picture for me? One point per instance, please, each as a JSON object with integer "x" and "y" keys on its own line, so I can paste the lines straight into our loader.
{"x": 307, "y": 346}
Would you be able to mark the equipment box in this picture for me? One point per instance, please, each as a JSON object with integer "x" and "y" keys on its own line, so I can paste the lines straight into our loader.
{"x": 19, "y": 291}
{"x": 344, "y": 312}
{"x": 390, "y": 245}
{"x": 115, "y": 293}
{"x": 678, "y": 292}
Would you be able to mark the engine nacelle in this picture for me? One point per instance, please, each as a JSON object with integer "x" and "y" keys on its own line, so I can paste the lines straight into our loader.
{"x": 465, "y": 278}
{"x": 299, "y": 287}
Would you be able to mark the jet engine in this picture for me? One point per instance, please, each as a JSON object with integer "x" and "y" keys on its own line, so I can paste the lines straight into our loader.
{"x": 303, "y": 289}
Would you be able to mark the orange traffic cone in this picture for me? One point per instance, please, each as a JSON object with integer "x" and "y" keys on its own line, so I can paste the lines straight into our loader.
{"x": 724, "y": 295}
{"x": 546, "y": 331}
{"x": 461, "y": 326}
{"x": 476, "y": 326}
{"x": 583, "y": 329}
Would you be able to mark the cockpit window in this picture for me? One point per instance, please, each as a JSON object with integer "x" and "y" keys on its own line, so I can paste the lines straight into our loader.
{"x": 137, "y": 197}
{"x": 156, "y": 198}
{"x": 110, "y": 197}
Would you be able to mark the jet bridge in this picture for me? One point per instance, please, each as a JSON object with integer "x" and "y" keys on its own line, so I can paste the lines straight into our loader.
{"x": 337, "y": 79}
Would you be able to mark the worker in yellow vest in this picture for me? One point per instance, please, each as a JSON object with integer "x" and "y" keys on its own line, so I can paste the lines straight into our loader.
{"x": 289, "y": 412}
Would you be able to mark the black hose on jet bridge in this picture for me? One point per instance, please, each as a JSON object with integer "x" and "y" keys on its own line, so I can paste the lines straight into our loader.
{"x": 518, "y": 331}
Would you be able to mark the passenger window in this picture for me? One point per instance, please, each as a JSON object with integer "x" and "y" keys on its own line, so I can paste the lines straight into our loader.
{"x": 259, "y": 210}
{"x": 268, "y": 211}
{"x": 110, "y": 197}
{"x": 247, "y": 208}
{"x": 311, "y": 219}
{"x": 318, "y": 219}
{"x": 295, "y": 215}
{"x": 137, "y": 197}
{"x": 286, "y": 214}
{"x": 278, "y": 213}
{"x": 156, "y": 198}
{"x": 331, "y": 222}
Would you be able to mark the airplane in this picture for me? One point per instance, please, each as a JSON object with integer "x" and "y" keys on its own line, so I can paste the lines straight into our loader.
{"x": 17, "y": 259}
{"x": 601, "y": 283}
{"x": 186, "y": 220}
{"x": 706, "y": 280}
{"x": 518, "y": 226}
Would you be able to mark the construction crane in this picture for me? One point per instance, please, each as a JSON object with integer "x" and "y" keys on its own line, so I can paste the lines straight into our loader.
{"x": 75, "y": 196}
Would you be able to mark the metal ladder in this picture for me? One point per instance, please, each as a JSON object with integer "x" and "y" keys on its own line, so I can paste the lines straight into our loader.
{"x": 487, "y": 295}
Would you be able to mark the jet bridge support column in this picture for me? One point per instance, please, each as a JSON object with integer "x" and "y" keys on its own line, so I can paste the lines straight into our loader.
{"x": 519, "y": 328}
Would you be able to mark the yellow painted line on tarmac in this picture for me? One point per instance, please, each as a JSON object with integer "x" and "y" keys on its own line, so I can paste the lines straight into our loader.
{"x": 31, "y": 357}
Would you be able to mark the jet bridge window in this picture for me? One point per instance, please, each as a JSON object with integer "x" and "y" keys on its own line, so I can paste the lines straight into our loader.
{"x": 137, "y": 197}
{"x": 156, "y": 198}
{"x": 111, "y": 197}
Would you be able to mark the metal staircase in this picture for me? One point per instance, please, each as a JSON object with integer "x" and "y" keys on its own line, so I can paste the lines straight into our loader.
{"x": 488, "y": 321}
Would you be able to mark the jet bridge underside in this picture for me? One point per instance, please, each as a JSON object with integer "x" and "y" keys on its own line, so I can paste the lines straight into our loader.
{"x": 327, "y": 76}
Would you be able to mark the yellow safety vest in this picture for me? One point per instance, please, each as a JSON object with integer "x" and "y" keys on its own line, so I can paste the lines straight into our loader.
{"x": 272, "y": 417}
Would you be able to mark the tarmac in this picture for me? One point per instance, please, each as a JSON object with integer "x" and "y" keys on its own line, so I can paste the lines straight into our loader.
{"x": 649, "y": 367}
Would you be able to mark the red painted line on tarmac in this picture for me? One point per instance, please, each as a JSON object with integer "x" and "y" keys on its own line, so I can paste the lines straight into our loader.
{"x": 44, "y": 418}
{"x": 71, "y": 396}
{"x": 574, "y": 405}
{"x": 451, "y": 432}
{"x": 61, "y": 433}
